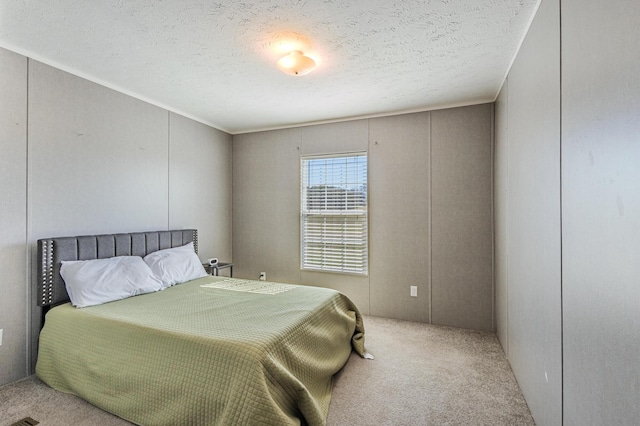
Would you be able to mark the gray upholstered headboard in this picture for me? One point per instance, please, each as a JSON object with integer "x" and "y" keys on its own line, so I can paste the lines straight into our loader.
{"x": 51, "y": 251}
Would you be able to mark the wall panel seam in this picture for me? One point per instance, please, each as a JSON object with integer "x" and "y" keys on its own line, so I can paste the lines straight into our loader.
{"x": 507, "y": 227}
{"x": 168, "y": 169}
{"x": 28, "y": 311}
{"x": 493, "y": 227}
{"x": 368, "y": 218}
{"x": 561, "y": 216}
{"x": 429, "y": 219}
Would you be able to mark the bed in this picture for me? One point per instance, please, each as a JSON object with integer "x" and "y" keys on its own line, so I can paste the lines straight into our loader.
{"x": 212, "y": 350}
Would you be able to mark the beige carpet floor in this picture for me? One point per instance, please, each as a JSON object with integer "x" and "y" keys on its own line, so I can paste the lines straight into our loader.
{"x": 422, "y": 375}
{"x": 427, "y": 375}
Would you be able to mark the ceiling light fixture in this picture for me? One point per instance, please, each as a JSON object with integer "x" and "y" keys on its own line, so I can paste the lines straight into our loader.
{"x": 296, "y": 63}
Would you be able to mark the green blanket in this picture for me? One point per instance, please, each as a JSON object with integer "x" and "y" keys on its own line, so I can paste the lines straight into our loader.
{"x": 231, "y": 353}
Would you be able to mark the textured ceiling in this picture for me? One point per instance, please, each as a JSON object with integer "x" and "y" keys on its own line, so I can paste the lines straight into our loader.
{"x": 215, "y": 61}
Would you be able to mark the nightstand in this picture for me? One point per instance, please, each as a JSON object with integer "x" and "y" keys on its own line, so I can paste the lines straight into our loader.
{"x": 215, "y": 269}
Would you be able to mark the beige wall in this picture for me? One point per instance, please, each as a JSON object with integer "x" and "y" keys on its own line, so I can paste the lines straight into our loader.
{"x": 567, "y": 208}
{"x": 462, "y": 217}
{"x": 262, "y": 163}
{"x": 501, "y": 224}
{"x": 400, "y": 200}
{"x": 200, "y": 184}
{"x": 13, "y": 215}
{"x": 92, "y": 160}
{"x": 527, "y": 175}
{"x": 97, "y": 158}
{"x": 266, "y": 206}
{"x": 601, "y": 211}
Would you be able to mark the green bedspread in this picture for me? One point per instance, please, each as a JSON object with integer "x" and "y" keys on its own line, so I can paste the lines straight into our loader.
{"x": 246, "y": 353}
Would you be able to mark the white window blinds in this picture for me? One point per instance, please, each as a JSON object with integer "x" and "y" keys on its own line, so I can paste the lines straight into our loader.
{"x": 334, "y": 213}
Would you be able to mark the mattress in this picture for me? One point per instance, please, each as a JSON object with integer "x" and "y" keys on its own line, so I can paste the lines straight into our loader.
{"x": 212, "y": 351}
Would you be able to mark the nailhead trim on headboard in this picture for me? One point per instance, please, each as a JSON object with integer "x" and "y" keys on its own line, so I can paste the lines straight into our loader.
{"x": 195, "y": 240}
{"x": 47, "y": 272}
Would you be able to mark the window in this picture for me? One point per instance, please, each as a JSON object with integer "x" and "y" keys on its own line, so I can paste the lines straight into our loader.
{"x": 333, "y": 213}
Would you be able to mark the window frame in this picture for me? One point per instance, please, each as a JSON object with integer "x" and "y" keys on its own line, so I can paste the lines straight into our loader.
{"x": 342, "y": 214}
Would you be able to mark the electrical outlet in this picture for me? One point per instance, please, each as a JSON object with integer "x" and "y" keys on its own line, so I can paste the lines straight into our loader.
{"x": 414, "y": 291}
{"x": 263, "y": 276}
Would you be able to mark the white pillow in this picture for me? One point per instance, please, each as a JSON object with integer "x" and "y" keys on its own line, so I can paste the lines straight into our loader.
{"x": 175, "y": 265}
{"x": 92, "y": 282}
